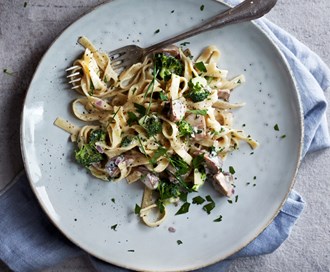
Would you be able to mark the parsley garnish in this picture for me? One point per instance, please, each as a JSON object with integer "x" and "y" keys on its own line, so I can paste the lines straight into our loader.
{"x": 159, "y": 153}
{"x": 198, "y": 112}
{"x": 219, "y": 219}
{"x": 184, "y": 43}
{"x": 210, "y": 206}
{"x": 231, "y": 170}
{"x": 140, "y": 109}
{"x": 132, "y": 118}
{"x": 179, "y": 242}
{"x": 113, "y": 227}
{"x": 25, "y": 4}
{"x": 283, "y": 136}
{"x": 202, "y": 7}
{"x": 113, "y": 200}
{"x": 163, "y": 96}
{"x": 201, "y": 66}
{"x": 157, "y": 31}
{"x": 137, "y": 209}
{"x": 198, "y": 200}
{"x": 276, "y": 128}
{"x": 183, "y": 209}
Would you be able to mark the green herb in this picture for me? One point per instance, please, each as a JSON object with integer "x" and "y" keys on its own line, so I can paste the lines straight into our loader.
{"x": 276, "y": 127}
{"x": 231, "y": 170}
{"x": 114, "y": 227}
{"x": 209, "y": 79}
{"x": 183, "y": 196}
{"x": 157, "y": 31}
{"x": 132, "y": 118}
{"x": 179, "y": 164}
{"x": 167, "y": 190}
{"x": 230, "y": 201}
{"x": 183, "y": 209}
{"x": 201, "y": 66}
{"x": 25, "y": 4}
{"x": 141, "y": 146}
{"x": 198, "y": 200}
{"x": 91, "y": 89}
{"x": 131, "y": 250}
{"x": 184, "y": 43}
{"x": 236, "y": 198}
{"x": 114, "y": 115}
{"x": 219, "y": 219}
{"x": 198, "y": 161}
{"x": 159, "y": 153}
{"x": 202, "y": 7}
{"x": 163, "y": 96}
{"x": 283, "y": 136}
{"x": 113, "y": 200}
{"x": 179, "y": 242}
{"x": 140, "y": 109}
{"x": 209, "y": 207}
{"x": 172, "y": 11}
{"x": 137, "y": 209}
{"x": 198, "y": 112}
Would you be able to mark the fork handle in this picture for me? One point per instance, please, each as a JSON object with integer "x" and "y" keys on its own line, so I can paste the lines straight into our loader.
{"x": 245, "y": 11}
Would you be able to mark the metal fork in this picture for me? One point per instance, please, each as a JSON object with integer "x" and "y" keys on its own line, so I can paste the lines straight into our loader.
{"x": 126, "y": 56}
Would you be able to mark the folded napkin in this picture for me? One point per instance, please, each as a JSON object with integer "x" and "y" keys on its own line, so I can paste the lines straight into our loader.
{"x": 29, "y": 242}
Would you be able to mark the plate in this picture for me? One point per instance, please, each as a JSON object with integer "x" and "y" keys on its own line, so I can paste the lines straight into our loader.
{"x": 99, "y": 216}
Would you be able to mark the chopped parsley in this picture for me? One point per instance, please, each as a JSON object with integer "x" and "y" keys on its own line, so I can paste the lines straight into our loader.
{"x": 159, "y": 153}
{"x": 25, "y": 4}
{"x": 183, "y": 209}
{"x": 201, "y": 66}
{"x": 157, "y": 31}
{"x": 113, "y": 227}
{"x": 198, "y": 112}
{"x": 198, "y": 200}
{"x": 276, "y": 128}
{"x": 179, "y": 242}
{"x": 219, "y": 219}
{"x": 163, "y": 96}
{"x": 202, "y": 7}
{"x": 137, "y": 209}
{"x": 132, "y": 118}
{"x": 210, "y": 206}
{"x": 184, "y": 43}
{"x": 231, "y": 170}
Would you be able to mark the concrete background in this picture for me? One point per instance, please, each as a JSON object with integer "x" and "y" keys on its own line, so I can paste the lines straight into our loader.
{"x": 26, "y": 33}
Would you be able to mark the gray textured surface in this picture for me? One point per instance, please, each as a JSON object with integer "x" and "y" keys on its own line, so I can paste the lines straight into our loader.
{"x": 25, "y": 34}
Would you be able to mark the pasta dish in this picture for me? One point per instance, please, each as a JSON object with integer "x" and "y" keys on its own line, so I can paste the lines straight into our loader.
{"x": 166, "y": 122}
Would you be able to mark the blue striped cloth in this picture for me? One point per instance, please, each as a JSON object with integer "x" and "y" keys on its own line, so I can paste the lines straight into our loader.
{"x": 29, "y": 242}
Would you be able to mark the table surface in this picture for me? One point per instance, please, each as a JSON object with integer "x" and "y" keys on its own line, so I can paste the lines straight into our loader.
{"x": 26, "y": 31}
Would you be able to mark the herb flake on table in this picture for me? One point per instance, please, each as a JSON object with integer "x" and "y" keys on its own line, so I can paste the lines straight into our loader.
{"x": 179, "y": 242}
{"x": 25, "y": 4}
{"x": 183, "y": 209}
{"x": 157, "y": 31}
{"x": 232, "y": 170}
{"x": 198, "y": 200}
{"x": 202, "y": 7}
{"x": 137, "y": 209}
{"x": 113, "y": 227}
{"x": 219, "y": 219}
{"x": 276, "y": 127}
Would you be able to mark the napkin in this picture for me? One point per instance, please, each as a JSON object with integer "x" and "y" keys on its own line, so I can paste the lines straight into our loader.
{"x": 29, "y": 242}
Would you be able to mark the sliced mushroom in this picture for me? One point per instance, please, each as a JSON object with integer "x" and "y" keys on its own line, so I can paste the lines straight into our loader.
{"x": 224, "y": 94}
{"x": 149, "y": 179}
{"x": 177, "y": 110}
{"x": 199, "y": 125}
{"x": 112, "y": 168}
{"x": 223, "y": 183}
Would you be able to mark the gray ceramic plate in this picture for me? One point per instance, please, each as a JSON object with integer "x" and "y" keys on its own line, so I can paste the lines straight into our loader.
{"x": 85, "y": 209}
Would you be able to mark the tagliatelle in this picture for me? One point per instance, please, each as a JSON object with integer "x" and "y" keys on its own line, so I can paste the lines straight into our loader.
{"x": 166, "y": 122}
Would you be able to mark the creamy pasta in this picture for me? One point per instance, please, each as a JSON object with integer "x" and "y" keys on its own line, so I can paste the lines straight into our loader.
{"x": 165, "y": 122}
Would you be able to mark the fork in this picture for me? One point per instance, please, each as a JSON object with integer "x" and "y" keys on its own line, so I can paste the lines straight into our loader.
{"x": 126, "y": 56}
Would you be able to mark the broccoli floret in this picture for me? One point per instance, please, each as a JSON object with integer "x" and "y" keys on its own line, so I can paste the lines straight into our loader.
{"x": 88, "y": 154}
{"x": 197, "y": 91}
{"x": 167, "y": 65}
{"x": 185, "y": 129}
{"x": 97, "y": 135}
{"x": 152, "y": 124}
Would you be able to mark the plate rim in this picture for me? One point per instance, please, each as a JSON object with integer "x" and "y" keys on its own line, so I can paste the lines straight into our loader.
{"x": 257, "y": 231}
